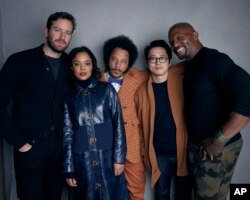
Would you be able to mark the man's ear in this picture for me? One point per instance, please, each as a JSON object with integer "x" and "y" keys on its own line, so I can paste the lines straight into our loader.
{"x": 195, "y": 35}
{"x": 46, "y": 32}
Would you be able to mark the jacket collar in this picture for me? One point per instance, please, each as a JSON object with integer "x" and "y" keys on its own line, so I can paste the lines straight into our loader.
{"x": 131, "y": 72}
{"x": 91, "y": 88}
{"x": 63, "y": 56}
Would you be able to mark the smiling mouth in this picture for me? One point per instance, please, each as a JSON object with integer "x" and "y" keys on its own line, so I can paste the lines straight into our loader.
{"x": 179, "y": 49}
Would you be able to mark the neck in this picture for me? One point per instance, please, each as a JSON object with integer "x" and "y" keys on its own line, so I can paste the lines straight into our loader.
{"x": 49, "y": 52}
{"x": 197, "y": 49}
{"x": 159, "y": 79}
{"x": 113, "y": 76}
{"x": 84, "y": 83}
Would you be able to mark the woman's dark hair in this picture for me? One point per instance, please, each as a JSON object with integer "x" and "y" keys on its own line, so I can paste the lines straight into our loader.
{"x": 61, "y": 15}
{"x": 122, "y": 42}
{"x": 96, "y": 71}
{"x": 158, "y": 43}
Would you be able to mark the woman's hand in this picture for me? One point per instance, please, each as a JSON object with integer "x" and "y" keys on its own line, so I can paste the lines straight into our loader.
{"x": 71, "y": 182}
{"x": 118, "y": 169}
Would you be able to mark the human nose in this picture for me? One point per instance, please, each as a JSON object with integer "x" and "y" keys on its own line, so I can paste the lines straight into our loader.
{"x": 118, "y": 63}
{"x": 82, "y": 67}
{"x": 62, "y": 34}
{"x": 157, "y": 60}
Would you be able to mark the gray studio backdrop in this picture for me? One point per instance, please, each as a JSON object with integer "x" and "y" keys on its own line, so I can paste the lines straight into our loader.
{"x": 222, "y": 24}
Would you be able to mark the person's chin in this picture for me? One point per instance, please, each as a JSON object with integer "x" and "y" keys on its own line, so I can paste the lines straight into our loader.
{"x": 180, "y": 56}
{"x": 114, "y": 75}
{"x": 60, "y": 49}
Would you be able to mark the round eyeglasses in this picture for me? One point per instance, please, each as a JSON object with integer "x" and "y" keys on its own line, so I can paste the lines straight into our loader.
{"x": 161, "y": 59}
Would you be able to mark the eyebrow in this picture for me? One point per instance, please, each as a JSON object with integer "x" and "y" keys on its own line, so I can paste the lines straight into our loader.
{"x": 61, "y": 29}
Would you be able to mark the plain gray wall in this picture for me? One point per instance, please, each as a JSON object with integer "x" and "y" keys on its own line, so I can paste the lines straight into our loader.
{"x": 222, "y": 24}
{"x": 1, "y": 142}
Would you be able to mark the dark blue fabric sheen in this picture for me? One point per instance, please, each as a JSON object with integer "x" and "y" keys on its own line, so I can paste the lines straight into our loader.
{"x": 94, "y": 140}
{"x": 102, "y": 132}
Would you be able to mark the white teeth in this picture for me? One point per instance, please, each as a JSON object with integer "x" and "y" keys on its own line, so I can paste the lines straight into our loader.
{"x": 180, "y": 49}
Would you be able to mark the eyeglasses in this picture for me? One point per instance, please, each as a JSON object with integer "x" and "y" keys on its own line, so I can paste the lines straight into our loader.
{"x": 161, "y": 59}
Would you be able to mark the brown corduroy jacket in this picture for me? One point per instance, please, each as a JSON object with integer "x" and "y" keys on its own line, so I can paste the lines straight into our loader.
{"x": 145, "y": 105}
{"x": 131, "y": 82}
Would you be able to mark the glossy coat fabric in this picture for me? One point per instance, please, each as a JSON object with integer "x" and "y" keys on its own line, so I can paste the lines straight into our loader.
{"x": 131, "y": 82}
{"x": 94, "y": 139}
{"x": 134, "y": 168}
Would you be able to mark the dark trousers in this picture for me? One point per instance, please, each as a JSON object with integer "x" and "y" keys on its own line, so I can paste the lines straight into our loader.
{"x": 38, "y": 171}
{"x": 182, "y": 185}
{"x": 167, "y": 166}
{"x": 183, "y": 188}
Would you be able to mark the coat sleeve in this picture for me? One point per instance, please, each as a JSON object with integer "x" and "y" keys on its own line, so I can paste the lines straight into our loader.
{"x": 120, "y": 148}
{"x": 139, "y": 115}
{"x": 68, "y": 164}
{"x": 8, "y": 85}
{"x": 234, "y": 81}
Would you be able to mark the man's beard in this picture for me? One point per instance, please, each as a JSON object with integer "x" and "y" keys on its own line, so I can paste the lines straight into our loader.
{"x": 53, "y": 47}
{"x": 118, "y": 70}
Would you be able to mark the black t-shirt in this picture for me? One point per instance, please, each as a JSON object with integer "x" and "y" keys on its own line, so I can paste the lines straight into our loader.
{"x": 214, "y": 86}
{"x": 55, "y": 64}
{"x": 164, "y": 127}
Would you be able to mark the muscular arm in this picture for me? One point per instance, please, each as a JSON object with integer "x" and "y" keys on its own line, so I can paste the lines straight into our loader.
{"x": 234, "y": 125}
{"x": 235, "y": 82}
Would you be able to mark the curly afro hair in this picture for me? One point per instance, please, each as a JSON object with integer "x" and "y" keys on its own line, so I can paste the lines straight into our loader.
{"x": 122, "y": 42}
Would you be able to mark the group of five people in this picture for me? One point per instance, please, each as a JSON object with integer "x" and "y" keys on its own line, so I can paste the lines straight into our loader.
{"x": 100, "y": 130}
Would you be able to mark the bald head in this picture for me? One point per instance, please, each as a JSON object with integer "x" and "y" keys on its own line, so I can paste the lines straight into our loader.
{"x": 183, "y": 25}
{"x": 184, "y": 40}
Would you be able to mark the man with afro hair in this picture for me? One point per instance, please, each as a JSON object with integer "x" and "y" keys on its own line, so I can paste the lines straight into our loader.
{"x": 119, "y": 55}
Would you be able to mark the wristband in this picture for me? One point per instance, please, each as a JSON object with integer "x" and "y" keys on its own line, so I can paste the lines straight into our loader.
{"x": 221, "y": 137}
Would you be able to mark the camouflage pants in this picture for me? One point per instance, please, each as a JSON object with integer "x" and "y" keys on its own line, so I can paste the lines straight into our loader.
{"x": 211, "y": 178}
